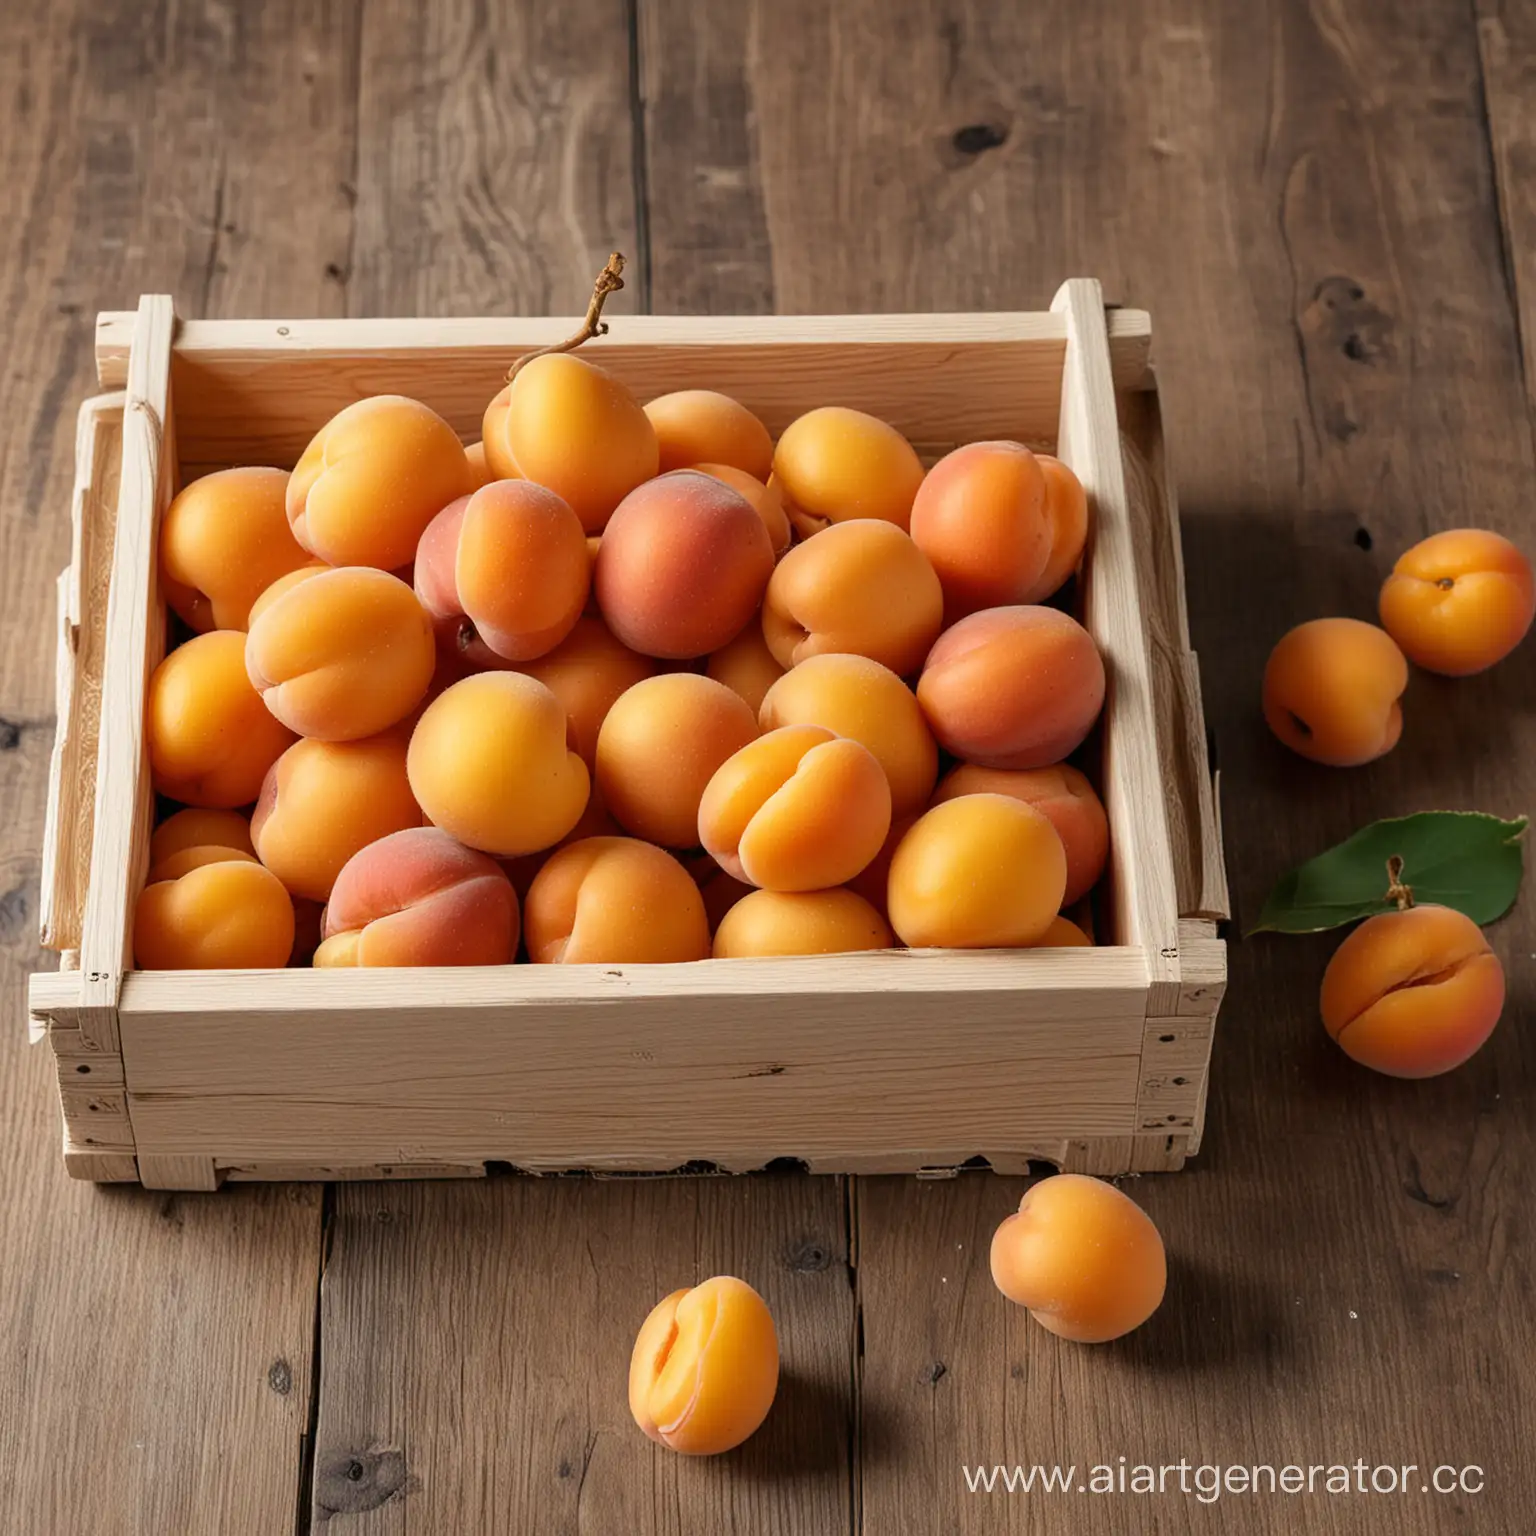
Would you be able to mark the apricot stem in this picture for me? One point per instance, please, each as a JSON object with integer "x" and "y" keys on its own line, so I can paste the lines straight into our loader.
{"x": 1397, "y": 892}
{"x": 609, "y": 280}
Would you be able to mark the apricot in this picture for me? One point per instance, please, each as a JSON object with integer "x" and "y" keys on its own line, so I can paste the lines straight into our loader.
{"x": 834, "y": 464}
{"x": 490, "y": 762}
{"x": 342, "y": 654}
{"x": 372, "y": 479}
{"x": 594, "y": 821}
{"x": 1413, "y": 993}
{"x": 283, "y": 585}
{"x": 796, "y": 810}
{"x": 418, "y": 897}
{"x": 1085, "y": 1259}
{"x": 227, "y": 914}
{"x": 746, "y": 666}
{"x": 480, "y": 471}
{"x": 1069, "y": 802}
{"x": 705, "y": 1367}
{"x": 566, "y": 424}
{"x": 855, "y": 697}
{"x": 1459, "y": 601}
{"x": 614, "y": 901}
{"x": 701, "y": 426}
{"x": 659, "y": 747}
{"x": 1063, "y": 934}
{"x": 323, "y": 801}
{"x": 721, "y": 892}
{"x": 859, "y": 588}
{"x": 196, "y": 828}
{"x": 873, "y": 880}
{"x": 682, "y": 566}
{"x": 211, "y": 739}
{"x": 223, "y": 541}
{"x": 1066, "y": 510}
{"x": 179, "y": 864}
{"x": 980, "y": 872}
{"x": 832, "y": 922}
{"x": 503, "y": 573}
{"x": 1331, "y": 691}
{"x": 767, "y": 500}
{"x": 1013, "y": 687}
{"x": 587, "y": 672}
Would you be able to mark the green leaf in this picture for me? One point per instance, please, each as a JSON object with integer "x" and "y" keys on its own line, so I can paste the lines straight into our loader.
{"x": 1460, "y": 859}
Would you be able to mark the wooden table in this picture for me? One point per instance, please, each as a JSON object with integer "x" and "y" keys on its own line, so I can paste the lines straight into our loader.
{"x": 1330, "y": 210}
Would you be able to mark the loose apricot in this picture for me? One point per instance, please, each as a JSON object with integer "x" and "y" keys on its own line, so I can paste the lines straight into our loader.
{"x": 1066, "y": 510}
{"x": 1413, "y": 993}
{"x": 980, "y": 872}
{"x": 195, "y": 828}
{"x": 587, "y": 672}
{"x": 701, "y": 426}
{"x": 1085, "y": 1259}
{"x": 342, "y": 654}
{"x": 705, "y": 1367}
{"x": 1459, "y": 601}
{"x": 614, "y": 901}
{"x": 1331, "y": 691}
{"x": 767, "y": 500}
{"x": 479, "y": 470}
{"x": 859, "y": 588}
{"x": 833, "y": 922}
{"x": 211, "y": 739}
{"x": 834, "y": 464}
{"x": 746, "y": 666}
{"x": 228, "y": 914}
{"x": 188, "y": 859}
{"x": 873, "y": 881}
{"x": 1063, "y": 934}
{"x": 372, "y": 479}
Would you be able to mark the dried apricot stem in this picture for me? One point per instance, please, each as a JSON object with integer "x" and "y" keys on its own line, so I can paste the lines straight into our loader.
{"x": 1397, "y": 892}
{"x": 609, "y": 280}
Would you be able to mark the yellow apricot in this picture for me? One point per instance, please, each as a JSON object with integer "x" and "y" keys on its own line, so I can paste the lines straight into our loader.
{"x": 834, "y": 464}
{"x": 588, "y": 671}
{"x": 199, "y": 829}
{"x": 184, "y": 860}
{"x": 230, "y": 914}
{"x": 701, "y": 425}
{"x": 746, "y": 666}
{"x": 800, "y": 923}
{"x": 1063, "y": 934}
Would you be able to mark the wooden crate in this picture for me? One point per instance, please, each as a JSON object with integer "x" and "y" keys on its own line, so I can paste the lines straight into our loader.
{"x": 1091, "y": 1059}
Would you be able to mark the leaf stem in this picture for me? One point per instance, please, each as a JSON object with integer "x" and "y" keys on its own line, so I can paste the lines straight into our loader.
{"x": 1397, "y": 892}
{"x": 609, "y": 280}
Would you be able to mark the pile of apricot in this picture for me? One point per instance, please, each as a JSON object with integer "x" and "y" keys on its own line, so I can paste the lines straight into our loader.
{"x": 619, "y": 683}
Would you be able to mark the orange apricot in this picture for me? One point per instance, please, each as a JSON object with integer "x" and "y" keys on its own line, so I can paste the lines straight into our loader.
{"x": 832, "y": 922}
{"x": 567, "y": 424}
{"x": 834, "y": 464}
{"x": 1413, "y": 993}
{"x": 223, "y": 541}
{"x": 796, "y": 810}
{"x": 195, "y": 828}
{"x": 1331, "y": 691}
{"x": 1013, "y": 687}
{"x": 211, "y": 739}
{"x": 594, "y": 821}
{"x": 873, "y": 881}
{"x": 720, "y": 891}
{"x": 614, "y": 901}
{"x": 658, "y": 748}
{"x": 479, "y": 470}
{"x": 342, "y": 654}
{"x": 701, "y": 425}
{"x": 418, "y": 897}
{"x": 490, "y": 762}
{"x": 180, "y": 863}
{"x": 980, "y": 872}
{"x": 372, "y": 479}
{"x": 859, "y": 588}
{"x": 767, "y": 500}
{"x": 1083, "y": 1257}
{"x": 503, "y": 573}
{"x": 228, "y": 914}
{"x": 1063, "y": 934}
{"x": 705, "y": 1367}
{"x": 1068, "y": 800}
{"x": 682, "y": 566}
{"x": 283, "y": 585}
{"x": 587, "y": 672}
{"x": 1459, "y": 601}
{"x": 1066, "y": 511}
{"x": 746, "y": 666}
{"x": 323, "y": 801}
{"x": 855, "y": 697}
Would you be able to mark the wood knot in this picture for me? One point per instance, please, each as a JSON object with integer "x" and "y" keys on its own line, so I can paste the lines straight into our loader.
{"x": 280, "y": 1377}
{"x": 807, "y": 1256}
{"x": 354, "y": 1482}
{"x": 978, "y": 138}
{"x": 1342, "y": 317}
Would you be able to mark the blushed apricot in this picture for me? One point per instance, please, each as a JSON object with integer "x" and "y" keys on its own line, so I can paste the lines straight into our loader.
{"x": 872, "y": 882}
{"x": 342, "y": 654}
{"x": 980, "y": 872}
{"x": 211, "y": 739}
{"x": 1459, "y": 601}
{"x": 230, "y": 914}
{"x": 796, "y": 810}
{"x": 224, "y": 540}
{"x": 1069, "y": 802}
{"x": 1013, "y": 687}
{"x": 1331, "y": 691}
{"x": 372, "y": 479}
{"x": 705, "y": 1367}
{"x": 859, "y": 588}
{"x": 587, "y": 672}
{"x": 659, "y": 747}
{"x": 855, "y": 697}
{"x": 614, "y": 901}
{"x": 418, "y": 897}
{"x": 746, "y": 666}
{"x": 490, "y": 762}
{"x": 834, "y": 922}
{"x": 767, "y": 500}
{"x": 196, "y": 828}
{"x": 1085, "y": 1259}
{"x": 702, "y": 426}
{"x": 1066, "y": 510}
{"x": 1063, "y": 934}
{"x": 1413, "y": 993}
{"x": 834, "y": 464}
{"x": 682, "y": 566}
{"x": 567, "y": 424}
{"x": 323, "y": 801}
{"x": 480, "y": 471}
{"x": 503, "y": 573}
